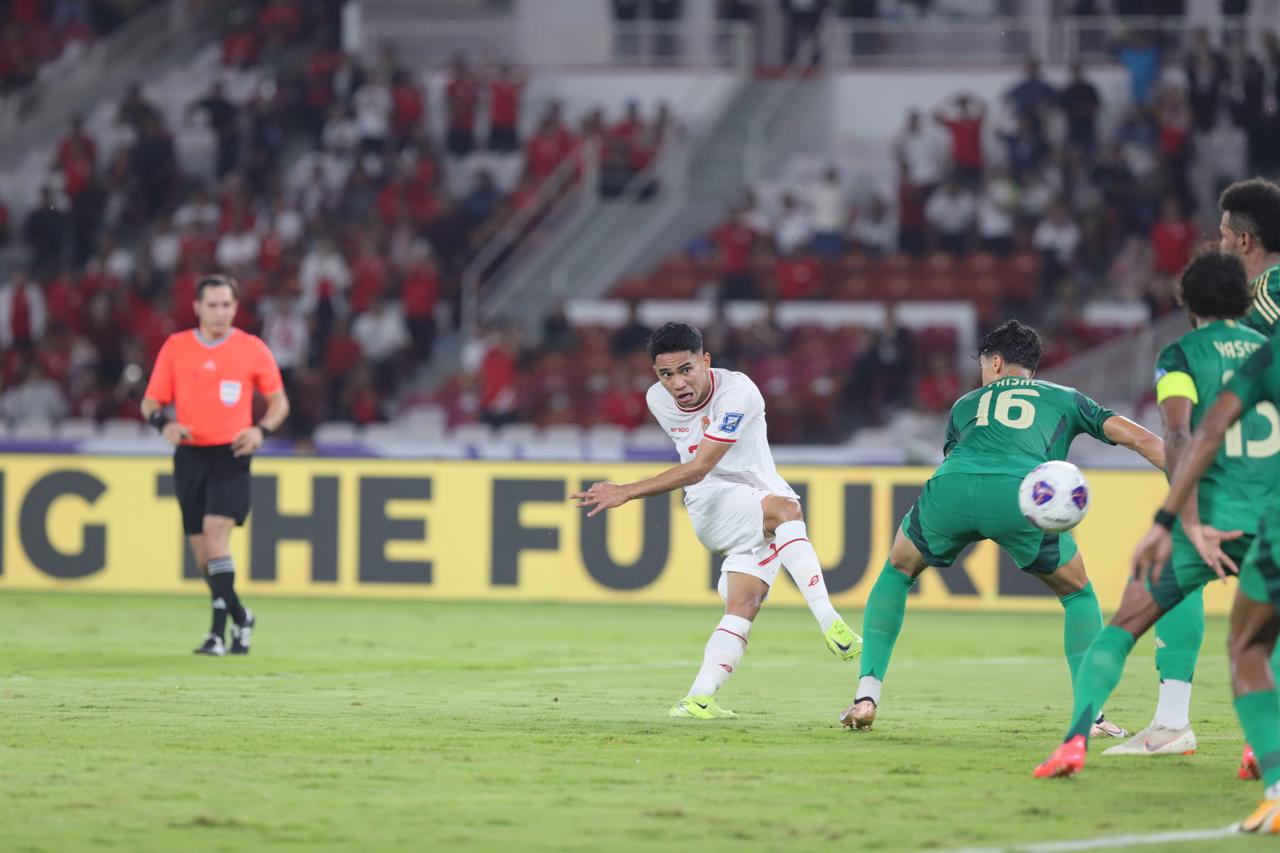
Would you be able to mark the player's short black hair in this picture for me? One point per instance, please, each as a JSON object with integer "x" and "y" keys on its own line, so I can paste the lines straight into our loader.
{"x": 1017, "y": 343}
{"x": 674, "y": 337}
{"x": 1214, "y": 286}
{"x": 1254, "y": 208}
{"x": 217, "y": 280}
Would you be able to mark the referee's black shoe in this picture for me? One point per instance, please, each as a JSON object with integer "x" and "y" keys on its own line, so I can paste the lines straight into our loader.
{"x": 240, "y": 634}
{"x": 212, "y": 646}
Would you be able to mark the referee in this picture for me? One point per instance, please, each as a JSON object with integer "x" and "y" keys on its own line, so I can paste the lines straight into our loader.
{"x": 209, "y": 374}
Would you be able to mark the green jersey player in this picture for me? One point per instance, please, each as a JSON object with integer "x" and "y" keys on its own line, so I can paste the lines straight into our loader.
{"x": 1190, "y": 373}
{"x": 1250, "y": 230}
{"x": 1255, "y": 616}
{"x": 995, "y": 436}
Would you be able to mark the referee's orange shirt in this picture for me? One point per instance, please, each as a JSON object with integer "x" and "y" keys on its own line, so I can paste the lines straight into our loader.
{"x": 211, "y": 386}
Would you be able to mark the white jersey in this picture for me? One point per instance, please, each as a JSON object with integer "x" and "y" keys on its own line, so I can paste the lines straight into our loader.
{"x": 733, "y": 413}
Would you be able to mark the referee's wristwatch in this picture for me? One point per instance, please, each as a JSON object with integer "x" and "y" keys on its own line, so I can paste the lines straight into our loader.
{"x": 266, "y": 433}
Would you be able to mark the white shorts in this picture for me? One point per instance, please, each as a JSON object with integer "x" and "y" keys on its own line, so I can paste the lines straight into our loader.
{"x": 729, "y": 520}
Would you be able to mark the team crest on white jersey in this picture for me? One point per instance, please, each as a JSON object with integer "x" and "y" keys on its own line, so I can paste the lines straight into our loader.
{"x": 731, "y": 421}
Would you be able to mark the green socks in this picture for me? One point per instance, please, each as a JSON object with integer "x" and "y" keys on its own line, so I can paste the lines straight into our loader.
{"x": 882, "y": 621}
{"x": 1081, "y": 627}
{"x": 1098, "y": 675}
{"x": 1179, "y": 634}
{"x": 1260, "y": 718}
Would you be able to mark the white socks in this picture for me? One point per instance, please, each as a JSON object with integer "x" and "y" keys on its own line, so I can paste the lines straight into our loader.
{"x": 868, "y": 688}
{"x": 724, "y": 651}
{"x": 791, "y": 540}
{"x": 1272, "y": 792}
{"x": 1174, "y": 705}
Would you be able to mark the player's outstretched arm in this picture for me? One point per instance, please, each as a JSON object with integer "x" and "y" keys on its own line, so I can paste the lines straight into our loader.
{"x": 1136, "y": 437}
{"x": 602, "y": 496}
{"x": 1153, "y": 551}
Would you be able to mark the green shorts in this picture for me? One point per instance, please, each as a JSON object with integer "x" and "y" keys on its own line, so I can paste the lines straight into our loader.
{"x": 955, "y": 510}
{"x": 1259, "y": 573}
{"x": 1186, "y": 572}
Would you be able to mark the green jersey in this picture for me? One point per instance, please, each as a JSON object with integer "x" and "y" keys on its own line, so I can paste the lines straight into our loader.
{"x": 1014, "y": 424}
{"x": 1265, "y": 313}
{"x": 1256, "y": 436}
{"x": 1197, "y": 366}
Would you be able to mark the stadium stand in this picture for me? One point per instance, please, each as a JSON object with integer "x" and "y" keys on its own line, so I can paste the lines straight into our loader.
{"x": 350, "y": 192}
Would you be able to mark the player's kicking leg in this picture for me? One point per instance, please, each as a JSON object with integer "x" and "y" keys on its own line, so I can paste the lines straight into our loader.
{"x": 744, "y": 593}
{"x": 881, "y": 624}
{"x": 1179, "y": 634}
{"x": 1099, "y": 669}
{"x": 784, "y": 522}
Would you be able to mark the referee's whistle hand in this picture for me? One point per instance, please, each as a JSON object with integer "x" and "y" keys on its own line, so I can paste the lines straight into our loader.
{"x": 176, "y": 433}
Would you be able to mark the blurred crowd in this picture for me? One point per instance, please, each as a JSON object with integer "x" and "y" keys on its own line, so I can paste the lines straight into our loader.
{"x": 1110, "y": 211}
{"x": 36, "y": 36}
{"x": 347, "y": 214}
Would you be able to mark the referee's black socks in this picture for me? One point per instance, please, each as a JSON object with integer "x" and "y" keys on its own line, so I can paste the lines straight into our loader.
{"x": 222, "y": 587}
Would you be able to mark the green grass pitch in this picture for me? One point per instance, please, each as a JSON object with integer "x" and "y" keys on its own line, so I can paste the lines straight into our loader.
{"x": 377, "y": 725}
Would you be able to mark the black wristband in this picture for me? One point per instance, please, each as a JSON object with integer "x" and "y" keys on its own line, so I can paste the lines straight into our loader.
{"x": 266, "y": 433}
{"x": 158, "y": 420}
{"x": 1165, "y": 519}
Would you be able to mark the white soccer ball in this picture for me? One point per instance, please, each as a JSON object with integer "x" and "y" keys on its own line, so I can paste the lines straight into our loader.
{"x": 1054, "y": 496}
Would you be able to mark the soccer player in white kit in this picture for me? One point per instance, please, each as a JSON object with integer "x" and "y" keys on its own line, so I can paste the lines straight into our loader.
{"x": 739, "y": 505}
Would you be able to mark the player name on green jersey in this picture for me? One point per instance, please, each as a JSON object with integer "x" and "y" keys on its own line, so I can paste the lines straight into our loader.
{"x": 1197, "y": 366}
{"x": 1014, "y": 424}
{"x": 1265, "y": 313}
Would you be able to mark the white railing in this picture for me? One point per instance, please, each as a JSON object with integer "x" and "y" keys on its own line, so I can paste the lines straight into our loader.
{"x": 932, "y": 41}
{"x": 426, "y": 40}
{"x": 939, "y": 41}
{"x": 571, "y": 189}
{"x": 767, "y": 112}
{"x": 1121, "y": 369}
{"x": 662, "y": 188}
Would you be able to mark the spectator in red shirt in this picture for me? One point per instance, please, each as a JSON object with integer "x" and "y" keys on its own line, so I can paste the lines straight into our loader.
{"x": 548, "y": 147}
{"x": 1172, "y": 238}
{"x": 798, "y": 276}
{"x": 504, "y": 109}
{"x": 911, "y": 220}
{"x": 368, "y": 277}
{"x": 623, "y": 404}
{"x": 407, "y": 108}
{"x": 419, "y": 291}
{"x": 734, "y": 242}
{"x": 939, "y": 387}
{"x": 75, "y": 146}
{"x": 462, "y": 96}
{"x": 340, "y": 355}
{"x": 965, "y": 127}
{"x": 360, "y": 398}
{"x": 498, "y": 393}
{"x": 240, "y": 47}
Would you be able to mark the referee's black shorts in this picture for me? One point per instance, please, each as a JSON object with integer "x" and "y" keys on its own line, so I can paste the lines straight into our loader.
{"x": 210, "y": 481}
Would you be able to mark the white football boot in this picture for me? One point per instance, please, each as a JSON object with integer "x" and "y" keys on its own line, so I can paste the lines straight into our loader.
{"x": 1158, "y": 740}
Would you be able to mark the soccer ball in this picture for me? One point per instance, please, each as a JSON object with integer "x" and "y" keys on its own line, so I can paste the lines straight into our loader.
{"x": 1054, "y": 496}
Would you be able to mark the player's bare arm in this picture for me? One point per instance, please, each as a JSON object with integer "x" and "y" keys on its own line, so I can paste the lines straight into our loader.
{"x": 1137, "y": 438}
{"x": 250, "y": 440}
{"x": 602, "y": 496}
{"x": 1152, "y": 553}
{"x": 1176, "y": 413}
{"x": 175, "y": 433}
